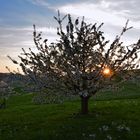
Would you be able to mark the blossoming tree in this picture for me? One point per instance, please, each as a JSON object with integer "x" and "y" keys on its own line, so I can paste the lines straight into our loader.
{"x": 82, "y": 60}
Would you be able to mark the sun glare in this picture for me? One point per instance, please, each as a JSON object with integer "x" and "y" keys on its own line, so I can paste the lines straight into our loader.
{"x": 106, "y": 71}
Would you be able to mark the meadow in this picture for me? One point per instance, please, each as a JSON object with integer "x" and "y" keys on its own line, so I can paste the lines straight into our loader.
{"x": 113, "y": 116}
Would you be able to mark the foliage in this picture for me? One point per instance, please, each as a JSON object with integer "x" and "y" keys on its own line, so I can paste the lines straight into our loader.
{"x": 52, "y": 96}
{"x": 78, "y": 59}
{"x": 2, "y": 103}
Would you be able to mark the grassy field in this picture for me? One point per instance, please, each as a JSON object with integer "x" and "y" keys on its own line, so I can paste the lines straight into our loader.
{"x": 113, "y": 116}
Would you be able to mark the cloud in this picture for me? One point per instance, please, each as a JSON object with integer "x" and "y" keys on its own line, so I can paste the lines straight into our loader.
{"x": 103, "y": 11}
{"x": 39, "y": 2}
{"x": 18, "y": 34}
{"x": 84, "y": 9}
{"x": 113, "y": 14}
{"x": 127, "y": 9}
{"x": 12, "y": 39}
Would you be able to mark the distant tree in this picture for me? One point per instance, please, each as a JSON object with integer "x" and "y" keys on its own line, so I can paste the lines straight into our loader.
{"x": 4, "y": 93}
{"x": 82, "y": 60}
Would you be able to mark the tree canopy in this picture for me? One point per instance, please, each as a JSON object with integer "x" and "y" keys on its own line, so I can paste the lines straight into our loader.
{"x": 81, "y": 60}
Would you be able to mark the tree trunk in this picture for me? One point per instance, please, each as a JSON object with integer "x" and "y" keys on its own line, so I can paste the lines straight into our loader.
{"x": 84, "y": 104}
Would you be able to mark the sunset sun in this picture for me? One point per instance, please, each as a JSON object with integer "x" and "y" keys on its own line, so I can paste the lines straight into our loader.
{"x": 106, "y": 71}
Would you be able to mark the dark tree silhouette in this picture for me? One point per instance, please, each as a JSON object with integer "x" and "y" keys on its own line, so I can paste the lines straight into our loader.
{"x": 82, "y": 60}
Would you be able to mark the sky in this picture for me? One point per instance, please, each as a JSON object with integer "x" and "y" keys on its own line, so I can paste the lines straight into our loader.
{"x": 18, "y": 16}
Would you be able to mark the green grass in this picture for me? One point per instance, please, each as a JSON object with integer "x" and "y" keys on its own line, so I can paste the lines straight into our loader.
{"x": 127, "y": 91}
{"x": 118, "y": 119}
